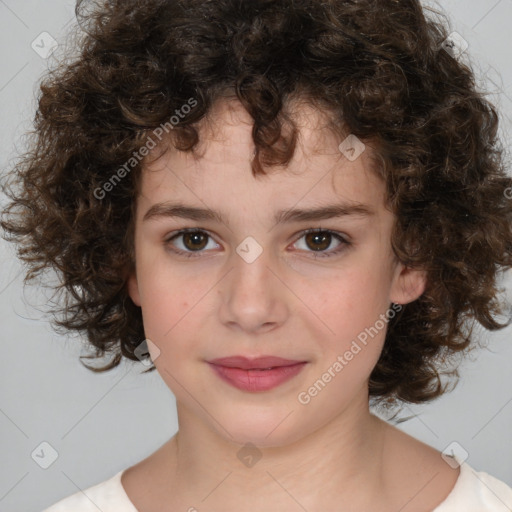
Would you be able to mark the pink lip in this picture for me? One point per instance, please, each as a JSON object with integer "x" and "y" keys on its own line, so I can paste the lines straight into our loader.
{"x": 252, "y": 374}
{"x": 246, "y": 363}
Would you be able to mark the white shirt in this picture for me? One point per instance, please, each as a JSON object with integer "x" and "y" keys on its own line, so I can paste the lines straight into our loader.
{"x": 473, "y": 492}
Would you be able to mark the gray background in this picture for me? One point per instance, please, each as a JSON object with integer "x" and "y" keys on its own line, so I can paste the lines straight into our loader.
{"x": 102, "y": 423}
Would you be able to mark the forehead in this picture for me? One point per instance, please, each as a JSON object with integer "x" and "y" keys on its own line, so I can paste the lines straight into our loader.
{"x": 219, "y": 174}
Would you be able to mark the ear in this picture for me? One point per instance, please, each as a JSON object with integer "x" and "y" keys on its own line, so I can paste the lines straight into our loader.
{"x": 133, "y": 288}
{"x": 408, "y": 284}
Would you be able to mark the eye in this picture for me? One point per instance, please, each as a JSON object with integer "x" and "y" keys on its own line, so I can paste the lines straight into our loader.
{"x": 193, "y": 241}
{"x": 320, "y": 239}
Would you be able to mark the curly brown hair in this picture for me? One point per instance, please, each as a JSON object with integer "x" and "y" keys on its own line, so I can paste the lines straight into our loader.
{"x": 378, "y": 68}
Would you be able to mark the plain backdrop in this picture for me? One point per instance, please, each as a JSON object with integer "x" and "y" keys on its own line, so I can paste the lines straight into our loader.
{"x": 86, "y": 427}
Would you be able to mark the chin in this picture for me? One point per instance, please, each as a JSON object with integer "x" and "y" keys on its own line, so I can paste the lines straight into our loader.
{"x": 265, "y": 429}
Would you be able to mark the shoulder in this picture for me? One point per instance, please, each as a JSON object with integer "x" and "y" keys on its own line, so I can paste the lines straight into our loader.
{"x": 477, "y": 491}
{"x": 452, "y": 486}
{"x": 107, "y": 496}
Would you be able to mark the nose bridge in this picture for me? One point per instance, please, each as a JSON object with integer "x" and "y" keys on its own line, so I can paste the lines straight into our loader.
{"x": 252, "y": 296}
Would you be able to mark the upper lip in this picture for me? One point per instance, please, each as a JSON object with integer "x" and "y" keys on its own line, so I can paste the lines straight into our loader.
{"x": 253, "y": 363}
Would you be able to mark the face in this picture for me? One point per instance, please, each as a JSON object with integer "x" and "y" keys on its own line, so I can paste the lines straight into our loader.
{"x": 256, "y": 283}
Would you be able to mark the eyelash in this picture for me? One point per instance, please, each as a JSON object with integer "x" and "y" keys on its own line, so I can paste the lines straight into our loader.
{"x": 192, "y": 254}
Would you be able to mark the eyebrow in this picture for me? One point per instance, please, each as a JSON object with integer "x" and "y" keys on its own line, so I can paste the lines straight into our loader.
{"x": 169, "y": 209}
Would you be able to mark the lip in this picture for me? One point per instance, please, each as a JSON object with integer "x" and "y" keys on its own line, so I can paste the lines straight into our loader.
{"x": 246, "y": 363}
{"x": 257, "y": 374}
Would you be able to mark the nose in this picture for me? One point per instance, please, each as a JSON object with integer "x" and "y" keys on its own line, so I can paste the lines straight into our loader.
{"x": 253, "y": 295}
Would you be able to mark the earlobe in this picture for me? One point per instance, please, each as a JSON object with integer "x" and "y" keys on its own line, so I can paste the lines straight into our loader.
{"x": 133, "y": 288}
{"x": 409, "y": 285}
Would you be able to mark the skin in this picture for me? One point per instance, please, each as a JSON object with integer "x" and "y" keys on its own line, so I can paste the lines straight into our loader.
{"x": 314, "y": 456}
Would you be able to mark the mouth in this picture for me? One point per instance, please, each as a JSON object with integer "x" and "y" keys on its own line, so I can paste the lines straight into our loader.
{"x": 257, "y": 374}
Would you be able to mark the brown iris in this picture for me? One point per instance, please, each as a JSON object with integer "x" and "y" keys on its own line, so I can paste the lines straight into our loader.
{"x": 319, "y": 237}
{"x": 197, "y": 239}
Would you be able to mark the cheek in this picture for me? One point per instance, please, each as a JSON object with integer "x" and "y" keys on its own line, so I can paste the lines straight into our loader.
{"x": 168, "y": 311}
{"x": 171, "y": 303}
{"x": 354, "y": 308}
{"x": 354, "y": 299}
{"x": 349, "y": 355}
{"x": 170, "y": 322}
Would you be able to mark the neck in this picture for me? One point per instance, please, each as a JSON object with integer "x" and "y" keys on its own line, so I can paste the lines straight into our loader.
{"x": 338, "y": 461}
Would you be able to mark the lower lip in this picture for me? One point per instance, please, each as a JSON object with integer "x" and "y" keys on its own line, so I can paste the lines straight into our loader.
{"x": 257, "y": 380}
